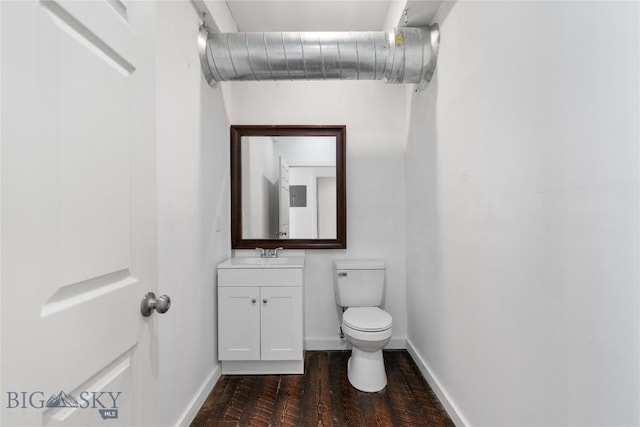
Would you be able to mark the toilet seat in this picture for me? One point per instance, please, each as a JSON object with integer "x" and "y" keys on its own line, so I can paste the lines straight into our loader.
{"x": 367, "y": 319}
{"x": 368, "y": 337}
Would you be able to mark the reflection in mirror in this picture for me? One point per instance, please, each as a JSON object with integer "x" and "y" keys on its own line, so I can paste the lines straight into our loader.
{"x": 288, "y": 187}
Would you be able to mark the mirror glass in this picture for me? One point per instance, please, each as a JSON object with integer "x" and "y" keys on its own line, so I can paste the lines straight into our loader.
{"x": 288, "y": 186}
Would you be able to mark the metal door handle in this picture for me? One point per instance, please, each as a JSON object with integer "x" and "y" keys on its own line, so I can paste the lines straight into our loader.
{"x": 150, "y": 303}
{"x": 264, "y": 301}
{"x": 253, "y": 300}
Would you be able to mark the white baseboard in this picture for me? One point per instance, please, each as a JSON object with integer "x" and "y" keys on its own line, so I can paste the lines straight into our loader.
{"x": 438, "y": 389}
{"x": 342, "y": 344}
{"x": 196, "y": 403}
{"x": 326, "y": 344}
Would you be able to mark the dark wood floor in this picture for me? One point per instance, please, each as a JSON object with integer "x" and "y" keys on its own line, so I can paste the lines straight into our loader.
{"x": 324, "y": 397}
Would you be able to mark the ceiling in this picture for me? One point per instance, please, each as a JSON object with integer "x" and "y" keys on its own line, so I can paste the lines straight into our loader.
{"x": 313, "y": 15}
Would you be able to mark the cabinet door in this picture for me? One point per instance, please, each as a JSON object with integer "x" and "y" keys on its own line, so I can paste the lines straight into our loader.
{"x": 281, "y": 323}
{"x": 238, "y": 323}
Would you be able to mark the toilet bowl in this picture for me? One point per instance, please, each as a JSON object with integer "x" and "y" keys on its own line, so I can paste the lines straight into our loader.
{"x": 368, "y": 329}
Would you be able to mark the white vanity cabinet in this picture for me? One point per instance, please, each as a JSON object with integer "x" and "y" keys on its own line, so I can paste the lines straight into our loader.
{"x": 260, "y": 320}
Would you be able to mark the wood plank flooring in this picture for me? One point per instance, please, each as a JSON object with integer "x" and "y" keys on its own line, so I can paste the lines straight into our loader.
{"x": 324, "y": 397}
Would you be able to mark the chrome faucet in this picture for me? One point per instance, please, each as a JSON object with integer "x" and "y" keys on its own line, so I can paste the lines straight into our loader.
{"x": 268, "y": 253}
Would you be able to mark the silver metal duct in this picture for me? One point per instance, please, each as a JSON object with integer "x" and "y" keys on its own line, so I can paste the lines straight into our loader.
{"x": 405, "y": 55}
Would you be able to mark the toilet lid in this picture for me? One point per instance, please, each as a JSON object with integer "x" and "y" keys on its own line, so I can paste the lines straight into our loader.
{"x": 369, "y": 319}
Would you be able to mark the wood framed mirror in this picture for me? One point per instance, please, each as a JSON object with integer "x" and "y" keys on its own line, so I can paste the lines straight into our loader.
{"x": 288, "y": 187}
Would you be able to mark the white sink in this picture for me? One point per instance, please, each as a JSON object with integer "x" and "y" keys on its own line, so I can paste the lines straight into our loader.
{"x": 266, "y": 261}
{"x": 256, "y": 262}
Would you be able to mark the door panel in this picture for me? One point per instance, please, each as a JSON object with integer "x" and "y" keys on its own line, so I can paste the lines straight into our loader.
{"x": 88, "y": 124}
{"x": 283, "y": 198}
{"x": 239, "y": 323}
{"x": 281, "y": 323}
{"x": 116, "y": 376}
{"x": 78, "y": 198}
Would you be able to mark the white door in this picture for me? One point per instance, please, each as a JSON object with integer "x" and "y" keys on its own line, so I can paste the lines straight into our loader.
{"x": 327, "y": 209}
{"x": 281, "y": 322}
{"x": 239, "y": 323}
{"x": 78, "y": 213}
{"x": 283, "y": 185}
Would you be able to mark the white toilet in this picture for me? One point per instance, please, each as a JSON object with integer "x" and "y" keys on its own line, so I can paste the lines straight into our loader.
{"x": 359, "y": 287}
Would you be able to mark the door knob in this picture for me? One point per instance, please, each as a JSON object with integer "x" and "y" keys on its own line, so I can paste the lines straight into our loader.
{"x": 150, "y": 302}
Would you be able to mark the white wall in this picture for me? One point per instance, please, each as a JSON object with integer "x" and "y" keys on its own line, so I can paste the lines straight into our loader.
{"x": 259, "y": 181}
{"x": 327, "y": 196}
{"x": 522, "y": 213}
{"x": 193, "y": 212}
{"x": 307, "y": 150}
{"x": 374, "y": 114}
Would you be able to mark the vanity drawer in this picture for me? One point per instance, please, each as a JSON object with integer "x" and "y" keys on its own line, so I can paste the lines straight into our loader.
{"x": 260, "y": 277}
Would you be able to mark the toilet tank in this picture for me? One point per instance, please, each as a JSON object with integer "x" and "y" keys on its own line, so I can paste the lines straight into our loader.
{"x": 359, "y": 283}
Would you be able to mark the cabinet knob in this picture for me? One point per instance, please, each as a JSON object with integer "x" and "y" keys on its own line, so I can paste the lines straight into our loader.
{"x": 264, "y": 301}
{"x": 253, "y": 300}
